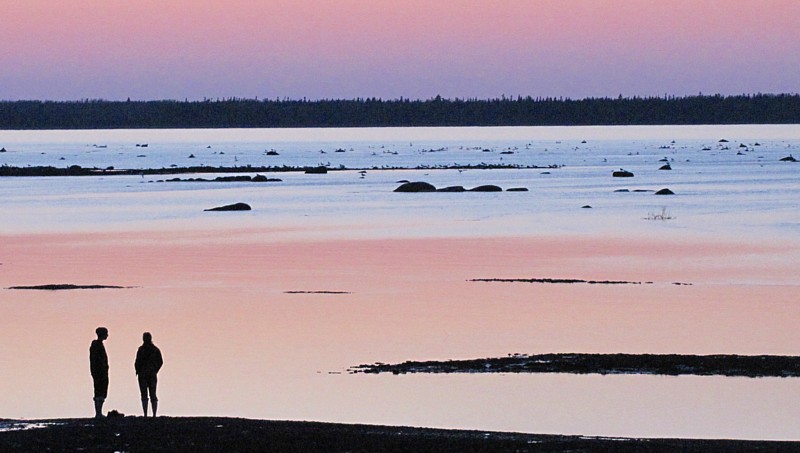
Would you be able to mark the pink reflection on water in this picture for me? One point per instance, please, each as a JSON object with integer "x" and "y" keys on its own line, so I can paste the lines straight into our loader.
{"x": 237, "y": 343}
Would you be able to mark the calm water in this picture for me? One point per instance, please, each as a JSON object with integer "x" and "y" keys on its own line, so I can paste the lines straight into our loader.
{"x": 213, "y": 287}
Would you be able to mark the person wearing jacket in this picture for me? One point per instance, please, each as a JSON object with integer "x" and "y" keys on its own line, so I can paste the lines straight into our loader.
{"x": 148, "y": 362}
{"x": 98, "y": 365}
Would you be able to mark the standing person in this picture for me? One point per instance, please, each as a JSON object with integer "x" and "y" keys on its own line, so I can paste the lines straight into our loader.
{"x": 148, "y": 362}
{"x": 98, "y": 364}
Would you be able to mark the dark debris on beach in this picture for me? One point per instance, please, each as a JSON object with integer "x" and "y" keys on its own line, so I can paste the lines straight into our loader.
{"x": 662, "y": 364}
{"x": 216, "y": 434}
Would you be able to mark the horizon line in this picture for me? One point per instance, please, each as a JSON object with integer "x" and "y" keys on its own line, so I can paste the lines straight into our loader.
{"x": 503, "y": 97}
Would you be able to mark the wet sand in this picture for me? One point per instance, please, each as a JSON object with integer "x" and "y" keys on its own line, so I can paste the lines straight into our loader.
{"x": 206, "y": 434}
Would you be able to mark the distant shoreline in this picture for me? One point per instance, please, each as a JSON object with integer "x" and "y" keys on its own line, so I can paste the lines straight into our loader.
{"x": 77, "y": 170}
{"x": 201, "y": 434}
{"x": 374, "y": 112}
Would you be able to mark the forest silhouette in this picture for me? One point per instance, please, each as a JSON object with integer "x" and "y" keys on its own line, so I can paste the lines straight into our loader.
{"x": 374, "y": 112}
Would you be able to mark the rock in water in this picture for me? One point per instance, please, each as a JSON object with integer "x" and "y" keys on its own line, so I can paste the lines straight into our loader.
{"x": 316, "y": 171}
{"x": 665, "y": 192}
{"x": 452, "y": 189}
{"x": 622, "y": 174}
{"x": 232, "y": 207}
{"x": 416, "y": 187}
{"x": 486, "y": 188}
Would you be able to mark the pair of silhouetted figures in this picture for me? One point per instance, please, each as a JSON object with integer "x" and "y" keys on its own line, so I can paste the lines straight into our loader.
{"x": 148, "y": 362}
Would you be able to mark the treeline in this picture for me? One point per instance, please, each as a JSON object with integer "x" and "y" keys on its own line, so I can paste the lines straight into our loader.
{"x": 373, "y": 112}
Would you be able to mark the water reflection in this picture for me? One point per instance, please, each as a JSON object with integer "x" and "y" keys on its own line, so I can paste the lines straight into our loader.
{"x": 236, "y": 302}
{"x": 239, "y": 343}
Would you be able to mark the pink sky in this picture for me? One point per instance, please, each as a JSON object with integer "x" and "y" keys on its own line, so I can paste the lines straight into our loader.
{"x": 155, "y": 49}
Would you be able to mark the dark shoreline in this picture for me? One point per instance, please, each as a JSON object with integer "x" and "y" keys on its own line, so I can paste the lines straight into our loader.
{"x": 662, "y": 364}
{"x": 76, "y": 170}
{"x": 207, "y": 434}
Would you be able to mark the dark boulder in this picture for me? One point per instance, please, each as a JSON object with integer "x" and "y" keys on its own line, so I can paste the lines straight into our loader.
{"x": 622, "y": 174}
{"x": 452, "y": 189}
{"x": 665, "y": 192}
{"x": 262, "y": 178}
{"x": 665, "y": 167}
{"x": 586, "y": 207}
{"x": 486, "y": 188}
{"x": 788, "y": 158}
{"x": 417, "y": 186}
{"x": 517, "y": 189}
{"x": 317, "y": 170}
{"x": 232, "y": 207}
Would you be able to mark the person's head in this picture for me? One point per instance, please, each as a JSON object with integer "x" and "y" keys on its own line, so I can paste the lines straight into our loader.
{"x": 102, "y": 333}
{"x": 147, "y": 338}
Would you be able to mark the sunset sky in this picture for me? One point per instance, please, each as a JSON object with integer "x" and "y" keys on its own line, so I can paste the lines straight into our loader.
{"x": 195, "y": 49}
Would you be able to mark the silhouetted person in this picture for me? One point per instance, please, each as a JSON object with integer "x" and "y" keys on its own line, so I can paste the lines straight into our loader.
{"x": 98, "y": 364}
{"x": 148, "y": 362}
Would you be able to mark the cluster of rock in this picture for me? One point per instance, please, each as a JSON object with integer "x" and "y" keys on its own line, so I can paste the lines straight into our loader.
{"x": 240, "y": 178}
{"x": 663, "y": 191}
{"x": 421, "y": 186}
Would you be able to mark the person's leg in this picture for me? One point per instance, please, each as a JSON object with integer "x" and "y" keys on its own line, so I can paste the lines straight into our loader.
{"x": 100, "y": 394}
{"x": 98, "y": 407}
{"x": 152, "y": 384}
{"x": 143, "y": 392}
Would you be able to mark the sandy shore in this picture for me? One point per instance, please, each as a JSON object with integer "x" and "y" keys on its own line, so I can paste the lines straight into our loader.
{"x": 199, "y": 434}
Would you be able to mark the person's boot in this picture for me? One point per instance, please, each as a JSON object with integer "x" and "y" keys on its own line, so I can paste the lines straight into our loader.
{"x": 98, "y": 407}
{"x": 155, "y": 407}
{"x": 144, "y": 406}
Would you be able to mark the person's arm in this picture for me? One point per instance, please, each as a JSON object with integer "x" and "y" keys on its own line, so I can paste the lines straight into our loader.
{"x": 159, "y": 360}
{"x": 137, "y": 364}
